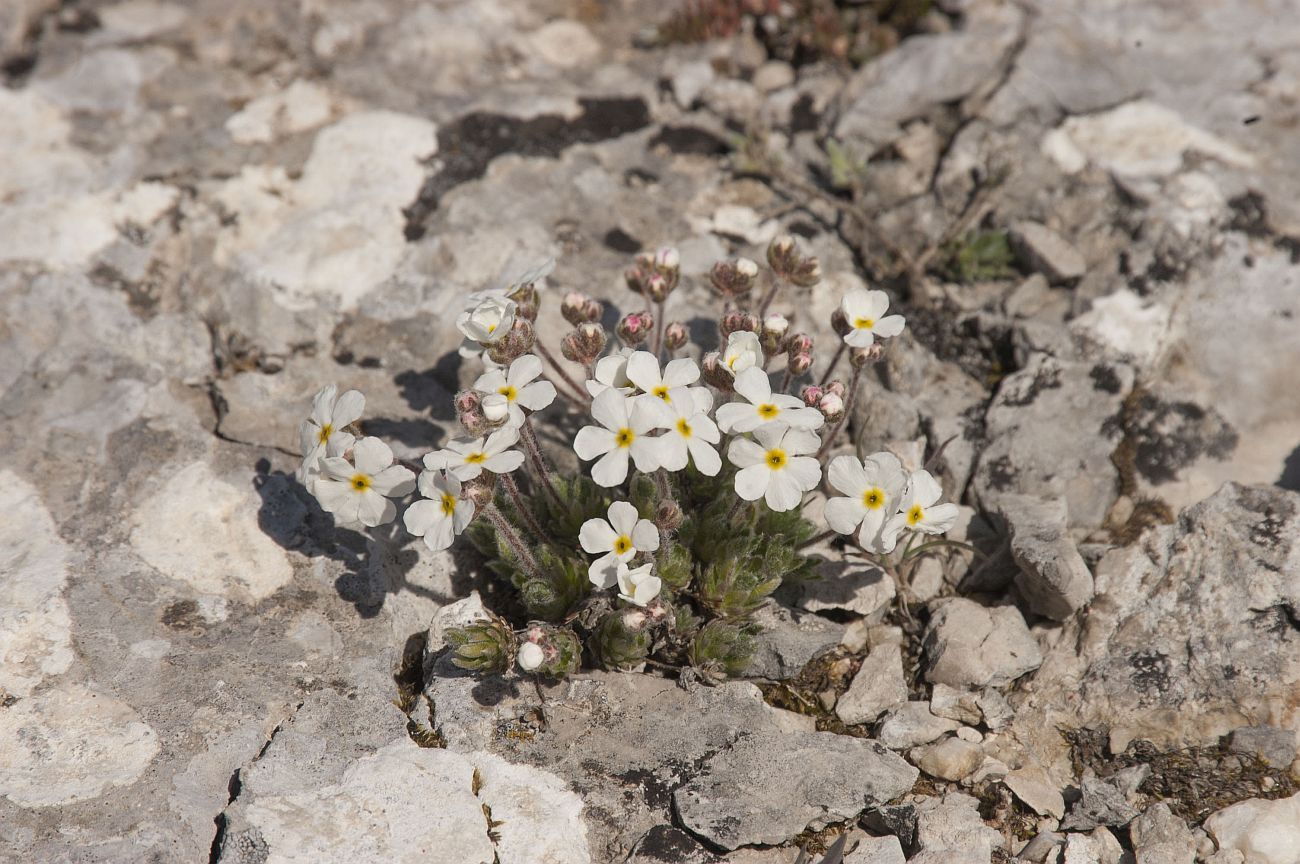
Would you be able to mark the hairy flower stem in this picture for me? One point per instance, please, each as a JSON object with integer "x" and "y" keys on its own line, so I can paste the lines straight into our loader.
{"x": 769, "y": 297}
{"x": 659, "y": 330}
{"x": 525, "y": 512}
{"x": 529, "y": 437}
{"x": 516, "y": 544}
{"x": 814, "y": 540}
{"x": 835, "y": 361}
{"x": 785, "y": 380}
{"x": 735, "y": 508}
{"x": 848, "y": 407}
{"x": 578, "y": 395}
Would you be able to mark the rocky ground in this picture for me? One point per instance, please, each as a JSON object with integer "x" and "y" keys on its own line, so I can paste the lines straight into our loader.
{"x": 1089, "y": 210}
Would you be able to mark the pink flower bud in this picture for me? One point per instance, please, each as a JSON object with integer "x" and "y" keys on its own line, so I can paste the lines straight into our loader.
{"x": 800, "y": 363}
{"x": 811, "y": 395}
{"x": 860, "y": 357}
{"x": 832, "y": 407}
{"x": 657, "y": 288}
{"x": 467, "y": 400}
{"x": 675, "y": 335}
{"x": 800, "y": 343}
{"x": 635, "y": 328}
{"x": 734, "y": 321}
{"x": 573, "y": 307}
{"x": 715, "y": 373}
{"x": 734, "y": 279}
{"x": 837, "y": 387}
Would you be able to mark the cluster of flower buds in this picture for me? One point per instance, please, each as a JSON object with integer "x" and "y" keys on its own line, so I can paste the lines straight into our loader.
{"x": 480, "y": 413}
{"x": 860, "y": 357}
{"x": 584, "y": 343}
{"x": 714, "y": 372}
{"x": 785, "y": 259}
{"x": 577, "y": 308}
{"x": 830, "y": 400}
{"x": 635, "y": 328}
{"x": 517, "y": 342}
{"x": 734, "y": 279}
{"x": 549, "y": 651}
{"x": 774, "y": 334}
{"x": 732, "y": 322}
{"x": 799, "y": 353}
{"x": 655, "y": 276}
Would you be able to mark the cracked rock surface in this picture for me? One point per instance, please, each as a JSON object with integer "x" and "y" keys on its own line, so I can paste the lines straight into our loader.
{"x": 1087, "y": 211}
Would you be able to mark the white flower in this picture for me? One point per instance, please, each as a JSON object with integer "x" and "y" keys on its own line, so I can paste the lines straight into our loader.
{"x": 322, "y": 434}
{"x": 765, "y": 408}
{"x": 638, "y": 585}
{"x": 519, "y": 387}
{"x": 919, "y": 511}
{"x": 496, "y": 407}
{"x": 357, "y": 494}
{"x": 643, "y": 371}
{"x": 777, "y": 467}
{"x": 467, "y": 458}
{"x": 622, "y": 433}
{"x": 611, "y": 371}
{"x": 488, "y": 316}
{"x": 442, "y": 513}
{"x": 873, "y": 487}
{"x": 530, "y": 656}
{"x": 865, "y": 313}
{"x": 620, "y": 538}
{"x": 690, "y": 432}
{"x": 743, "y": 351}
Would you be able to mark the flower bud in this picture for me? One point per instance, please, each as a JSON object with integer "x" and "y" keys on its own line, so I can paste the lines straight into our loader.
{"x": 584, "y": 343}
{"x": 531, "y": 656}
{"x": 734, "y": 279}
{"x": 657, "y": 288}
{"x": 832, "y": 407}
{"x": 668, "y": 259}
{"x": 669, "y": 516}
{"x": 860, "y": 357}
{"x": 483, "y": 646}
{"x": 839, "y": 323}
{"x": 518, "y": 342}
{"x": 772, "y": 334}
{"x": 635, "y": 328}
{"x": 593, "y": 310}
{"x": 573, "y": 307}
{"x": 480, "y": 490}
{"x": 800, "y": 363}
{"x": 735, "y": 321}
{"x": 812, "y": 395}
{"x": 800, "y": 343}
{"x": 741, "y": 352}
{"x": 787, "y": 262}
{"x": 467, "y": 400}
{"x": 675, "y": 335}
{"x": 837, "y": 387}
{"x": 714, "y": 373}
{"x": 496, "y": 408}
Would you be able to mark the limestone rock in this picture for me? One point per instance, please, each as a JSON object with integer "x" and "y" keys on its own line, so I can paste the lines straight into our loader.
{"x": 1053, "y": 578}
{"x": 968, "y": 644}
{"x": 955, "y": 704}
{"x": 876, "y": 850}
{"x": 877, "y": 686}
{"x": 1098, "y": 847}
{"x": 1275, "y": 746}
{"x": 950, "y": 829}
{"x": 950, "y": 759}
{"x": 1160, "y": 837}
{"x": 1032, "y": 786}
{"x": 788, "y": 640}
{"x": 1264, "y": 832}
{"x": 850, "y": 586}
{"x": 767, "y": 788}
{"x": 1048, "y": 252}
{"x": 911, "y": 725}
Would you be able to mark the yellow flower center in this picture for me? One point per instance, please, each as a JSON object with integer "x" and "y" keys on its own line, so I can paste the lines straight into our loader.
{"x": 775, "y": 459}
{"x": 684, "y": 428}
{"x": 767, "y": 410}
{"x": 662, "y": 392}
{"x": 491, "y": 329}
{"x": 509, "y": 392}
{"x": 864, "y": 323}
{"x": 624, "y": 437}
{"x": 476, "y": 458}
{"x": 916, "y": 514}
{"x": 622, "y": 544}
{"x": 448, "y": 503}
{"x": 874, "y": 498}
{"x": 360, "y": 482}
{"x": 324, "y": 434}
{"x": 731, "y": 361}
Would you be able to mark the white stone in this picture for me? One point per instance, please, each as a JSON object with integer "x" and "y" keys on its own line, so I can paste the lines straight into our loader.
{"x": 1144, "y": 139}
{"x": 744, "y": 223}
{"x": 689, "y": 81}
{"x": 70, "y": 744}
{"x": 300, "y": 106}
{"x": 849, "y": 586}
{"x": 1058, "y": 147}
{"x": 35, "y": 630}
{"x": 138, "y": 19}
{"x": 565, "y": 44}
{"x": 407, "y": 803}
{"x": 877, "y": 687}
{"x": 1098, "y": 847}
{"x": 1032, "y": 786}
{"x": 199, "y": 529}
{"x": 1125, "y": 326}
{"x": 338, "y": 232}
{"x": 876, "y": 850}
{"x": 1264, "y": 832}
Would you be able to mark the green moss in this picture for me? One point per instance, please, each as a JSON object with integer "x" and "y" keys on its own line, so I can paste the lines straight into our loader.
{"x": 979, "y": 256}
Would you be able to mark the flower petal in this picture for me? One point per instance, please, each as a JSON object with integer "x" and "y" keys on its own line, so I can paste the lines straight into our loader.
{"x": 859, "y": 339}
{"x": 844, "y": 515}
{"x": 322, "y": 404}
{"x": 394, "y": 481}
{"x": 733, "y": 414}
{"x": 752, "y": 482}
{"x": 890, "y": 325}
{"x": 679, "y": 373}
{"x": 371, "y": 455}
{"x": 939, "y": 518}
{"x": 603, "y": 572}
{"x": 806, "y": 472}
{"x": 504, "y": 463}
{"x": 783, "y": 492}
{"x": 846, "y": 475}
{"x": 643, "y": 370}
{"x": 592, "y": 441}
{"x": 524, "y": 370}
{"x": 925, "y": 490}
{"x": 743, "y": 453}
{"x": 421, "y": 517}
{"x": 706, "y": 459}
{"x": 610, "y": 469}
{"x": 375, "y": 509}
{"x": 754, "y": 385}
{"x": 876, "y": 304}
{"x": 623, "y": 517}
{"x": 490, "y": 382}
{"x": 673, "y": 451}
{"x": 348, "y": 409}
{"x": 596, "y": 535}
{"x": 610, "y": 409}
{"x": 536, "y": 396}
{"x": 645, "y": 536}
